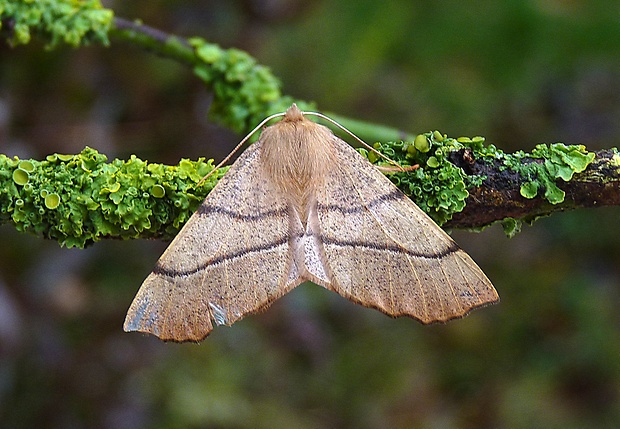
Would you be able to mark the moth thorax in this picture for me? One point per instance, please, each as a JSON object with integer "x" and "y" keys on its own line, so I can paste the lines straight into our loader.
{"x": 296, "y": 156}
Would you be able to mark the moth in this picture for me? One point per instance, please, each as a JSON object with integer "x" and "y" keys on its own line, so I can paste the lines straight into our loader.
{"x": 300, "y": 205}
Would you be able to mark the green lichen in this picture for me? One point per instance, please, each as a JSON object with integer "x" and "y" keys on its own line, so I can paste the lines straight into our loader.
{"x": 437, "y": 186}
{"x": 158, "y": 191}
{"x": 52, "y": 201}
{"x": 529, "y": 189}
{"x": 83, "y": 198}
{"x": 421, "y": 143}
{"x": 244, "y": 91}
{"x": 540, "y": 169}
{"x": 20, "y": 176}
{"x": 26, "y": 165}
{"x": 74, "y": 22}
{"x": 80, "y": 199}
{"x": 432, "y": 162}
{"x": 511, "y": 226}
{"x": 440, "y": 188}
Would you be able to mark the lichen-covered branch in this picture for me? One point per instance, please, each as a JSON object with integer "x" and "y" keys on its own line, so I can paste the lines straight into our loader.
{"x": 463, "y": 183}
{"x": 70, "y": 22}
{"x": 244, "y": 92}
{"x": 83, "y": 198}
{"x": 79, "y": 199}
{"x": 508, "y": 196}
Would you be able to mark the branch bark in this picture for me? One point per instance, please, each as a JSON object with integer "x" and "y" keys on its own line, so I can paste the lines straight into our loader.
{"x": 499, "y": 195}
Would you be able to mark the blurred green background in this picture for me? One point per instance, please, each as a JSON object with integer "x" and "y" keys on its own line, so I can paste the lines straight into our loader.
{"x": 517, "y": 72}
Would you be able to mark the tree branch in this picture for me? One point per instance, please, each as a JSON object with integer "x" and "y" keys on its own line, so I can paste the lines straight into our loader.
{"x": 244, "y": 91}
{"x": 499, "y": 197}
{"x": 463, "y": 183}
{"x": 80, "y": 199}
{"x": 154, "y": 40}
{"x": 228, "y": 72}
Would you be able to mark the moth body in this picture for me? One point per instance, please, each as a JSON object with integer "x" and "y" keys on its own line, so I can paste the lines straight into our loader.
{"x": 296, "y": 156}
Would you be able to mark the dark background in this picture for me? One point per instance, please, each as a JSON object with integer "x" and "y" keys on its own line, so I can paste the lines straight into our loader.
{"x": 517, "y": 72}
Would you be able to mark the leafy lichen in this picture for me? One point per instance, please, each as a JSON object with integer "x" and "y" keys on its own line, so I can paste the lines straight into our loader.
{"x": 437, "y": 186}
{"x": 79, "y": 199}
{"x": 511, "y": 226}
{"x": 615, "y": 159}
{"x": 546, "y": 164}
{"x": 244, "y": 91}
{"x": 74, "y": 22}
{"x": 440, "y": 188}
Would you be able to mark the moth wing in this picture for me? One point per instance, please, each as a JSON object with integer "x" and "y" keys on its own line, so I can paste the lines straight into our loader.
{"x": 232, "y": 258}
{"x": 384, "y": 252}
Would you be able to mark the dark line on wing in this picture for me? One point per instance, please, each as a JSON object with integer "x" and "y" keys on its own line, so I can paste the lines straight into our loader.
{"x": 391, "y": 248}
{"x": 163, "y": 271}
{"x": 395, "y": 195}
{"x": 206, "y": 209}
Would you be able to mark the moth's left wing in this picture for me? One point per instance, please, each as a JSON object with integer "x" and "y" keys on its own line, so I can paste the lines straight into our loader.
{"x": 232, "y": 258}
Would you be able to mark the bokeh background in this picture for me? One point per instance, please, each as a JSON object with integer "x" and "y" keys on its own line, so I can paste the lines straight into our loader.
{"x": 518, "y": 72}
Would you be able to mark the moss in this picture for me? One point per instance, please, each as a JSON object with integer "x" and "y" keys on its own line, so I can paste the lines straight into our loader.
{"x": 74, "y": 22}
{"x": 80, "y": 199}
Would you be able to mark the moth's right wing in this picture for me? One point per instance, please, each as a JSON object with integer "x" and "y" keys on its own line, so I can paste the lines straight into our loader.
{"x": 384, "y": 252}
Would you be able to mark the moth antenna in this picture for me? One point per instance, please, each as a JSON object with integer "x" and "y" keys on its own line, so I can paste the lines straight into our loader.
{"x": 241, "y": 143}
{"x": 396, "y": 168}
{"x": 366, "y": 145}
